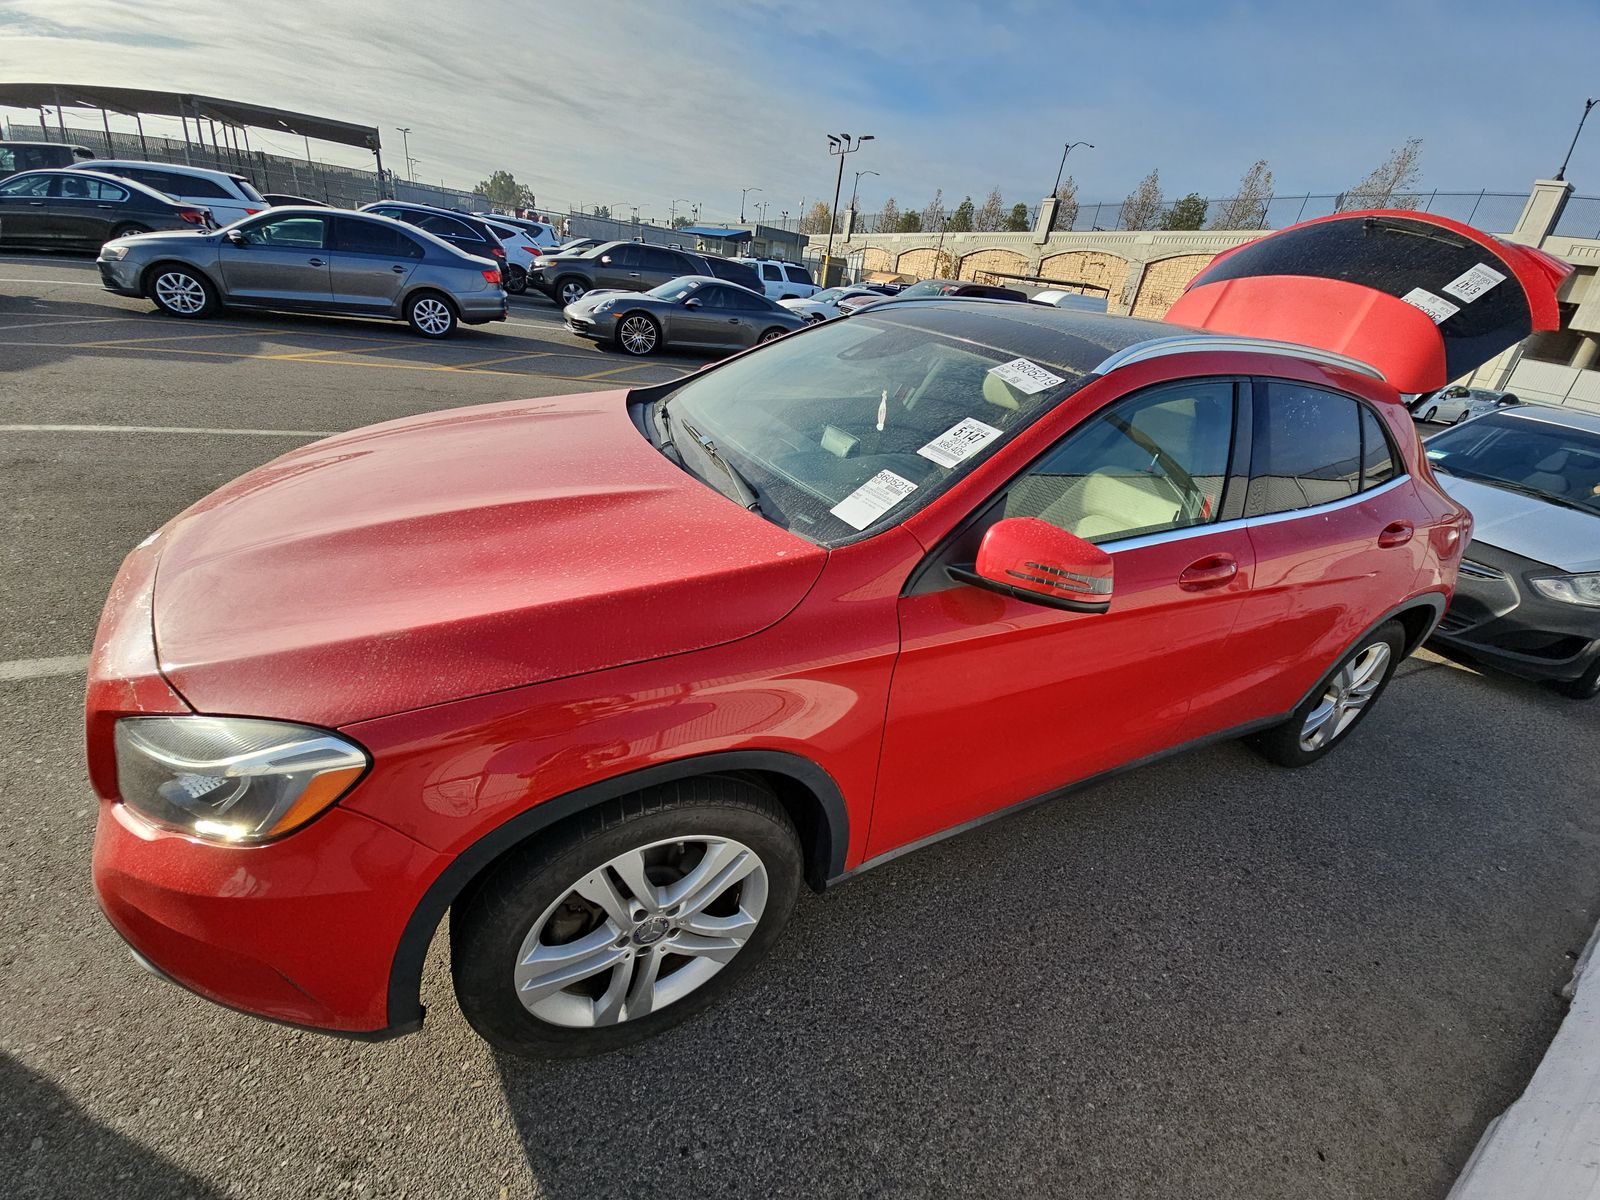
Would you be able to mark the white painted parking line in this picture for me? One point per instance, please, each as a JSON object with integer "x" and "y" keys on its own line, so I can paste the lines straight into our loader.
{"x": 43, "y": 668}
{"x": 53, "y": 282}
{"x": 181, "y": 429}
{"x": 66, "y": 321}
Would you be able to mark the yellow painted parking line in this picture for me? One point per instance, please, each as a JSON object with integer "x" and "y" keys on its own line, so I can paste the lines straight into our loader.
{"x": 505, "y": 358}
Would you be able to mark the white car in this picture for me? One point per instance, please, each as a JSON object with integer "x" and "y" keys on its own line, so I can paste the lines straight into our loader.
{"x": 824, "y": 305}
{"x": 1457, "y": 403}
{"x": 229, "y": 197}
{"x": 1075, "y": 300}
{"x": 782, "y": 280}
{"x": 524, "y": 241}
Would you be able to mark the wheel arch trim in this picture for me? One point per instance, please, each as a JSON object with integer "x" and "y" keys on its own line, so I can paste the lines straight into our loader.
{"x": 824, "y": 859}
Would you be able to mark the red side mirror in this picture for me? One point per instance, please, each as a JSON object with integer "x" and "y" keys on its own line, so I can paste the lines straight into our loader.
{"x": 1034, "y": 560}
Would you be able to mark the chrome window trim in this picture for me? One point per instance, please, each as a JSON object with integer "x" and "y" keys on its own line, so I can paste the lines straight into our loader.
{"x": 1189, "y": 531}
{"x": 1164, "y": 347}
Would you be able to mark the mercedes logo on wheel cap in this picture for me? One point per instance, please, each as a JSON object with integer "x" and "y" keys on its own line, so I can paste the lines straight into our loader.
{"x": 652, "y": 930}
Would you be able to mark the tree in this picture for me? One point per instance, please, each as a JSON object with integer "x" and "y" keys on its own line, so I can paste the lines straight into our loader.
{"x": 1017, "y": 222}
{"x": 681, "y": 222}
{"x": 889, "y": 218}
{"x": 961, "y": 220}
{"x": 818, "y": 220}
{"x": 502, "y": 191}
{"x": 1067, "y": 211}
{"x": 1143, "y": 205}
{"x": 1247, "y": 208}
{"x": 933, "y": 216}
{"x": 1387, "y": 186}
{"x": 910, "y": 223}
{"x": 1188, "y": 213}
{"x": 992, "y": 216}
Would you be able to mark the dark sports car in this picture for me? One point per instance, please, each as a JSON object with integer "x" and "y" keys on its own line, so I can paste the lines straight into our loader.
{"x": 696, "y": 310}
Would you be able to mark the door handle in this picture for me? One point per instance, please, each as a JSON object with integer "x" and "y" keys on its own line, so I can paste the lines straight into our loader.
{"x": 1396, "y": 533}
{"x": 316, "y": 262}
{"x": 398, "y": 269}
{"x": 35, "y": 203}
{"x": 733, "y": 320}
{"x": 105, "y": 205}
{"x": 633, "y": 274}
{"x": 1214, "y": 570}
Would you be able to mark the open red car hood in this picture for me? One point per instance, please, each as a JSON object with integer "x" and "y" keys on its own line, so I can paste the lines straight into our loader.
{"x": 1423, "y": 298}
{"x": 458, "y": 553}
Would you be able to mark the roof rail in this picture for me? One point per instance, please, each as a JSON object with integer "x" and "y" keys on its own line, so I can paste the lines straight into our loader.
{"x": 1199, "y": 343}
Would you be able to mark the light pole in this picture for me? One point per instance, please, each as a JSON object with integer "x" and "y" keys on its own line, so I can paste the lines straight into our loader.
{"x": 761, "y": 211}
{"x": 743, "y": 193}
{"x": 1587, "y": 105}
{"x": 405, "y": 148}
{"x": 856, "y": 185}
{"x": 672, "y": 212}
{"x": 1055, "y": 191}
{"x": 839, "y": 144}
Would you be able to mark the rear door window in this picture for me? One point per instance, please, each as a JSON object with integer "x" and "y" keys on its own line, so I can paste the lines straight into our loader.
{"x": 368, "y": 237}
{"x": 1307, "y": 449}
{"x": 446, "y": 227}
{"x": 195, "y": 186}
{"x": 771, "y": 271}
{"x": 654, "y": 258}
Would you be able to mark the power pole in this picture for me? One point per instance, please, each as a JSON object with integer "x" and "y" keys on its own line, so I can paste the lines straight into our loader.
{"x": 839, "y": 145}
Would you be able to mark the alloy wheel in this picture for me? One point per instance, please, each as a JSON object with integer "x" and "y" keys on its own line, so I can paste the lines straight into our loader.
{"x": 638, "y": 335}
{"x": 1347, "y": 694}
{"x": 572, "y": 291}
{"x": 642, "y": 931}
{"x": 431, "y": 315}
{"x": 772, "y": 335}
{"x": 180, "y": 292}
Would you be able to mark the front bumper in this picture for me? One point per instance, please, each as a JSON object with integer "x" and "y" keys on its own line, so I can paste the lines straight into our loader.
{"x": 1498, "y": 618}
{"x": 585, "y": 326}
{"x": 119, "y": 276}
{"x": 302, "y": 931}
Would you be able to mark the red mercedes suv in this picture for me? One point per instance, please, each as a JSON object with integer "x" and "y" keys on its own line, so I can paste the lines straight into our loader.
{"x": 606, "y": 677}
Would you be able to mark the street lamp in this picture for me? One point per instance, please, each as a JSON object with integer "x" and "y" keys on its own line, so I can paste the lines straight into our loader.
{"x": 672, "y": 211}
{"x": 745, "y": 192}
{"x": 1587, "y": 105}
{"x": 839, "y": 144}
{"x": 405, "y": 143}
{"x": 1056, "y": 191}
{"x": 856, "y": 185}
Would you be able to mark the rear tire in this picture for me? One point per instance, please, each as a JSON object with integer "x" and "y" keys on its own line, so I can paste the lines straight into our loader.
{"x": 516, "y": 280}
{"x": 574, "y": 885}
{"x": 431, "y": 315}
{"x": 1338, "y": 703}
{"x": 181, "y": 291}
{"x": 772, "y": 335}
{"x": 128, "y": 230}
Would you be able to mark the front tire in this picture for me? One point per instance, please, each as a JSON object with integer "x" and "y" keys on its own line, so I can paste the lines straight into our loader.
{"x": 627, "y": 921}
{"x": 431, "y": 315}
{"x": 181, "y": 291}
{"x": 1464, "y": 415}
{"x": 638, "y": 334}
{"x": 1431, "y": 413}
{"x": 570, "y": 290}
{"x": 1585, "y": 686}
{"x": 1338, "y": 703}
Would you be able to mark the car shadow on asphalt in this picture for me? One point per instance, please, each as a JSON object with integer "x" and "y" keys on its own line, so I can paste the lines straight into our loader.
{"x": 50, "y": 1147}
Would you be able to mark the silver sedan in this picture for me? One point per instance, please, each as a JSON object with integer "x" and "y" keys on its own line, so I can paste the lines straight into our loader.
{"x": 310, "y": 260}
{"x": 696, "y": 311}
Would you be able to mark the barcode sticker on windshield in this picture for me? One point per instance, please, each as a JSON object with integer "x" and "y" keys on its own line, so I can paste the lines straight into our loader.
{"x": 1471, "y": 284}
{"x": 1026, "y": 376}
{"x": 872, "y": 499}
{"x": 960, "y": 442}
{"x": 1436, "y": 307}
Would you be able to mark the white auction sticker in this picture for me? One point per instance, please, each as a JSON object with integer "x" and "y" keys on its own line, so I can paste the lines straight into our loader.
{"x": 1471, "y": 284}
{"x": 960, "y": 442}
{"x": 1436, "y": 307}
{"x": 1026, "y": 376}
{"x": 872, "y": 499}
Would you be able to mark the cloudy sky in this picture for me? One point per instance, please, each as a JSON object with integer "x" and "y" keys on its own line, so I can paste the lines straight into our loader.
{"x": 617, "y": 102}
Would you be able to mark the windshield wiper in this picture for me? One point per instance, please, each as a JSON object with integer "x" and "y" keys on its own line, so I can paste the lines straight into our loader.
{"x": 1533, "y": 493}
{"x": 742, "y": 491}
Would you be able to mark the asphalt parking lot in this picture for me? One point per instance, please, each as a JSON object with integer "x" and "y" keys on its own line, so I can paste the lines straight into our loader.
{"x": 1210, "y": 977}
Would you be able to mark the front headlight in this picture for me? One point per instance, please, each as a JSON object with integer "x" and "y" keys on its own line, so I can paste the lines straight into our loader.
{"x": 1581, "y": 589}
{"x": 234, "y": 780}
{"x": 602, "y": 306}
{"x": 113, "y": 252}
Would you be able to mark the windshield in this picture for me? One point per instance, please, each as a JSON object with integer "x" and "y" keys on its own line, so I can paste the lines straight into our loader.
{"x": 854, "y": 424}
{"x": 1554, "y": 462}
{"x": 677, "y": 289}
{"x": 828, "y": 295}
{"x": 929, "y": 287}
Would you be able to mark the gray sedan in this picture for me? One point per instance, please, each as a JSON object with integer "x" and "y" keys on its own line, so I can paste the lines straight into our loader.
{"x": 696, "y": 311}
{"x": 310, "y": 260}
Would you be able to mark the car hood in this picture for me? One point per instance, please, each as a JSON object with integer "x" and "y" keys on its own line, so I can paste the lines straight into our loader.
{"x": 163, "y": 237}
{"x": 458, "y": 553}
{"x": 1518, "y": 524}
